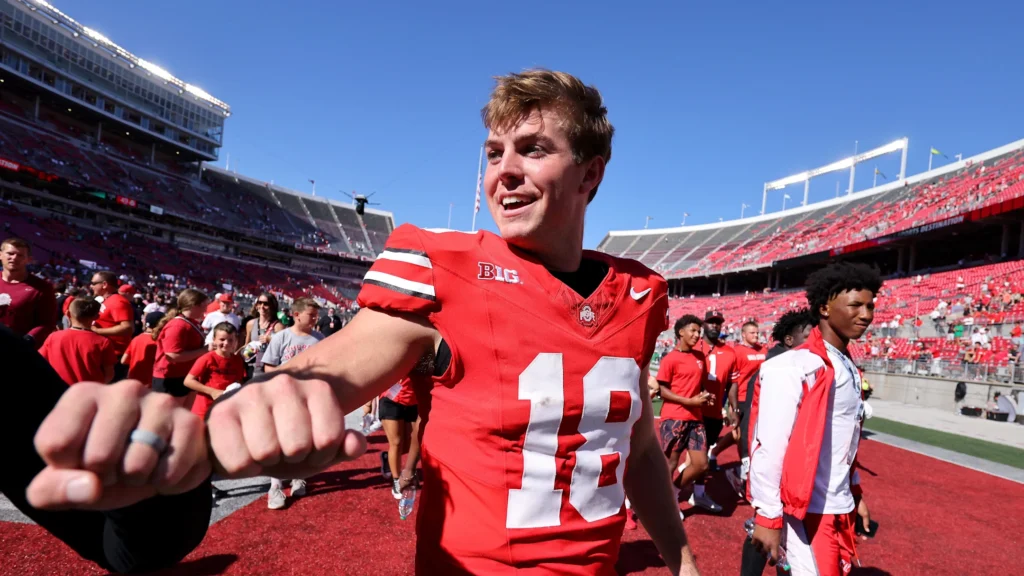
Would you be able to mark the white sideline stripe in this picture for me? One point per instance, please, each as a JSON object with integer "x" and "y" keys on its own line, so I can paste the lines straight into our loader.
{"x": 406, "y": 257}
{"x": 402, "y": 283}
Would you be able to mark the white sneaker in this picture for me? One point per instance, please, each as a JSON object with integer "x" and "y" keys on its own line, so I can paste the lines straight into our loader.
{"x": 704, "y": 502}
{"x": 298, "y": 488}
{"x": 396, "y": 490}
{"x": 275, "y": 499}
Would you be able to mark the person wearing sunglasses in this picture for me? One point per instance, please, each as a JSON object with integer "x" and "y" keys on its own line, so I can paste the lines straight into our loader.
{"x": 258, "y": 331}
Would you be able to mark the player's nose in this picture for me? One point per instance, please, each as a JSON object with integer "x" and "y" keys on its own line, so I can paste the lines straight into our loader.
{"x": 510, "y": 170}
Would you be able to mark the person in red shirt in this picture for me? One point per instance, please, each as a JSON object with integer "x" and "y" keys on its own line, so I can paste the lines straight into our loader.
{"x": 217, "y": 369}
{"x": 141, "y": 353}
{"x": 750, "y": 354}
{"x": 721, "y": 374}
{"x": 179, "y": 343}
{"x": 28, "y": 305}
{"x": 78, "y": 354}
{"x": 682, "y": 377}
{"x": 117, "y": 317}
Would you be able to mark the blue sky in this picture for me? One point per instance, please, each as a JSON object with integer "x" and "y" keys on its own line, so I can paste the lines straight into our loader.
{"x": 709, "y": 100}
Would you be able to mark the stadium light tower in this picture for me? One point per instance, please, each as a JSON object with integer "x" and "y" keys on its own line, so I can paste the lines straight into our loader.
{"x": 851, "y": 163}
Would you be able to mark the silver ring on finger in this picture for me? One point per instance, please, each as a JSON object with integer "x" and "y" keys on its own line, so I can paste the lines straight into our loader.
{"x": 150, "y": 439}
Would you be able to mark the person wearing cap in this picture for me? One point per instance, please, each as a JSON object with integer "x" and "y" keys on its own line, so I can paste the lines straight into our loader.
{"x": 141, "y": 353}
{"x": 722, "y": 372}
{"x": 117, "y": 317}
{"x": 225, "y": 305}
{"x": 214, "y": 304}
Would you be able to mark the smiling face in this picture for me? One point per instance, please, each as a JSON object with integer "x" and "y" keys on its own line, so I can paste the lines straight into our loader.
{"x": 224, "y": 343}
{"x": 536, "y": 193}
{"x": 688, "y": 336}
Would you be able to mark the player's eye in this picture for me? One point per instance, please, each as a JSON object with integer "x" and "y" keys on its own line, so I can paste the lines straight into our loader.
{"x": 493, "y": 155}
{"x": 535, "y": 150}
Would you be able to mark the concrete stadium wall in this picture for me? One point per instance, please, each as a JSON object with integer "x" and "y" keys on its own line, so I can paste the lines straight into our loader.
{"x": 931, "y": 392}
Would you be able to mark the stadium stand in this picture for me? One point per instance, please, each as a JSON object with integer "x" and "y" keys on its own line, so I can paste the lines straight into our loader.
{"x": 103, "y": 164}
{"x": 977, "y": 183}
{"x": 985, "y": 296}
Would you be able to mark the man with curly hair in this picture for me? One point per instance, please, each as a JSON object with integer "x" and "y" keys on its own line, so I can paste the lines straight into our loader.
{"x": 803, "y": 486}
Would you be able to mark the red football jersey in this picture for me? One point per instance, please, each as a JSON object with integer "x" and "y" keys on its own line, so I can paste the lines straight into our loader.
{"x": 530, "y": 425}
{"x": 721, "y": 373}
{"x": 748, "y": 362}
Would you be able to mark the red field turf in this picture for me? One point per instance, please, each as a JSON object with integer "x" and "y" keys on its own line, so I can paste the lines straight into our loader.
{"x": 935, "y": 518}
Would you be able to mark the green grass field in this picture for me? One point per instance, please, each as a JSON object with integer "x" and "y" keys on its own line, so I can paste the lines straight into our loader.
{"x": 991, "y": 451}
{"x": 985, "y": 450}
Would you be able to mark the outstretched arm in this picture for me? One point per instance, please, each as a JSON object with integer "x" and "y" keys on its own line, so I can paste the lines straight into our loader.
{"x": 651, "y": 495}
{"x": 291, "y": 423}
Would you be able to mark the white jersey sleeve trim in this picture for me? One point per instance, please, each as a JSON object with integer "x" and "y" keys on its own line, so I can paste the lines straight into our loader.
{"x": 401, "y": 285}
{"x": 409, "y": 257}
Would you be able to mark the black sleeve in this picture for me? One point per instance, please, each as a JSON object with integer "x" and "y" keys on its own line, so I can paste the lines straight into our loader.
{"x": 140, "y": 538}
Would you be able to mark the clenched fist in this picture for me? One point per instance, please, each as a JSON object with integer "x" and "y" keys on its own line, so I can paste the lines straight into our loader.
{"x": 91, "y": 462}
{"x": 282, "y": 427}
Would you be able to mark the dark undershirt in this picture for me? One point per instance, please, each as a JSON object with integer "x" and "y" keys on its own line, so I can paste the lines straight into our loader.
{"x": 583, "y": 281}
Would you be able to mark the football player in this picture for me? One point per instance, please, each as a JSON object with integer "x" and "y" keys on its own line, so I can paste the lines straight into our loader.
{"x": 538, "y": 399}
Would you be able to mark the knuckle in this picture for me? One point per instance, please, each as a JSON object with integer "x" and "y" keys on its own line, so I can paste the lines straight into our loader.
{"x": 266, "y": 453}
{"x": 329, "y": 438}
{"x": 129, "y": 387}
{"x": 159, "y": 402}
{"x": 137, "y": 467}
{"x": 50, "y": 441}
{"x": 102, "y": 459}
{"x": 280, "y": 386}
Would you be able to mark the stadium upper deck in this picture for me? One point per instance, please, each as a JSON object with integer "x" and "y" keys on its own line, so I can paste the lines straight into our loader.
{"x": 989, "y": 183}
{"x": 108, "y": 86}
{"x": 82, "y": 115}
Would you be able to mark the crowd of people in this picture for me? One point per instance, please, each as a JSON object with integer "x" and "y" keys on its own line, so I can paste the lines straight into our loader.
{"x": 480, "y": 376}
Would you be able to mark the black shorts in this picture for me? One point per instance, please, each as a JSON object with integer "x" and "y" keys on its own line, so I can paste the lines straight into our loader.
{"x": 713, "y": 429}
{"x": 173, "y": 386}
{"x": 391, "y": 410}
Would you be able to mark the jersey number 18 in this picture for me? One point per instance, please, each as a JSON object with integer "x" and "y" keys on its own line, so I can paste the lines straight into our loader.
{"x": 611, "y": 405}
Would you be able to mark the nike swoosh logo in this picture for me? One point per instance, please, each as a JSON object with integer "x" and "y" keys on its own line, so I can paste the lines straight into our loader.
{"x": 637, "y": 295}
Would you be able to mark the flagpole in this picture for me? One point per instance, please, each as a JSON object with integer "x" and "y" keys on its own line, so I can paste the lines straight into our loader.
{"x": 930, "y": 159}
{"x": 450, "y": 206}
{"x": 874, "y": 181}
{"x": 479, "y": 178}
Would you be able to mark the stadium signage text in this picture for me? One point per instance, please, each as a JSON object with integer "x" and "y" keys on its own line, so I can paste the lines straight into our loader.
{"x": 4, "y": 163}
{"x": 932, "y": 226}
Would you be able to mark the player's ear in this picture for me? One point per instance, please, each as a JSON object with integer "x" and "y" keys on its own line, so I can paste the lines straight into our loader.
{"x": 592, "y": 176}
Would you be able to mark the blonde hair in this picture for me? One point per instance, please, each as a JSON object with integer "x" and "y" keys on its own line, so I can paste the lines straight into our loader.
{"x": 300, "y": 304}
{"x": 584, "y": 116}
{"x": 187, "y": 299}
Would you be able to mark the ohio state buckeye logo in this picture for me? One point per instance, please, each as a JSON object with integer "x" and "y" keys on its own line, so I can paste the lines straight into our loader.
{"x": 587, "y": 317}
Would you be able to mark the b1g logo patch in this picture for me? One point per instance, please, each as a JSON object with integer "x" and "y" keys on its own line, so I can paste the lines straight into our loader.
{"x": 587, "y": 317}
{"x": 488, "y": 271}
